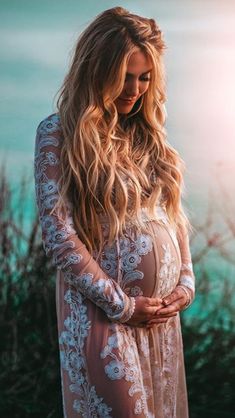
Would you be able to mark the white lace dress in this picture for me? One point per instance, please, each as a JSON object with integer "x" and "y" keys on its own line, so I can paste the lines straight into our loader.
{"x": 110, "y": 369}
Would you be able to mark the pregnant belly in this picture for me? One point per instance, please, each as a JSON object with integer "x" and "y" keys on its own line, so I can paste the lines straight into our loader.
{"x": 146, "y": 263}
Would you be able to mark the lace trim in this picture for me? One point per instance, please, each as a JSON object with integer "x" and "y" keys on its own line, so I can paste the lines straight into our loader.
{"x": 188, "y": 281}
{"x": 130, "y": 312}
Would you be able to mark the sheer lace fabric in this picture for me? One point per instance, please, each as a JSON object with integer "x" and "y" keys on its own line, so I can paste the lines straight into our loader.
{"x": 110, "y": 369}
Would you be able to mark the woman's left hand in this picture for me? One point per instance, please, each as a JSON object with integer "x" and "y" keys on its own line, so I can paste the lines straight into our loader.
{"x": 174, "y": 303}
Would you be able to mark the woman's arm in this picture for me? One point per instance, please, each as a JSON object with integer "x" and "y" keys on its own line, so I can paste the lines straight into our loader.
{"x": 59, "y": 237}
{"x": 187, "y": 278}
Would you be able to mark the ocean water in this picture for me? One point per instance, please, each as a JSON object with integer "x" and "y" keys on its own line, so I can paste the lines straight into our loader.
{"x": 36, "y": 45}
{"x": 37, "y": 39}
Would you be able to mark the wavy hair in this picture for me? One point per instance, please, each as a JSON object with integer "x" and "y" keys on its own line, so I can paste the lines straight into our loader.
{"x": 112, "y": 165}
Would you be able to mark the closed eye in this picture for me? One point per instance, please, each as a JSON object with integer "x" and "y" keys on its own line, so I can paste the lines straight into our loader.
{"x": 143, "y": 77}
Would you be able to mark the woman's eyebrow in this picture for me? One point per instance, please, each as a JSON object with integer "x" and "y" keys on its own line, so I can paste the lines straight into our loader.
{"x": 133, "y": 75}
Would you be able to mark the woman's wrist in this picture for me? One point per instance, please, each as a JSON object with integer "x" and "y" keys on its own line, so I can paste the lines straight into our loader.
{"x": 130, "y": 312}
{"x": 188, "y": 295}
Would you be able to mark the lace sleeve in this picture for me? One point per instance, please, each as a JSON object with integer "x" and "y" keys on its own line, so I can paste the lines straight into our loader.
{"x": 187, "y": 277}
{"x": 59, "y": 237}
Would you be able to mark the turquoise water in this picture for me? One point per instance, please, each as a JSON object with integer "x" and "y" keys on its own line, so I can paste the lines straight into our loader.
{"x": 36, "y": 43}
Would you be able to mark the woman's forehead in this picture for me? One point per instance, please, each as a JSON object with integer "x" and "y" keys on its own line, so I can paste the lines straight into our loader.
{"x": 138, "y": 63}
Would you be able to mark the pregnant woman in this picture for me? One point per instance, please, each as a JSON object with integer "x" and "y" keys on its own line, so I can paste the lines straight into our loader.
{"x": 108, "y": 188}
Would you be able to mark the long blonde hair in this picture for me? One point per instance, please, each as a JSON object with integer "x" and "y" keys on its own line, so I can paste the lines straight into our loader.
{"x": 111, "y": 164}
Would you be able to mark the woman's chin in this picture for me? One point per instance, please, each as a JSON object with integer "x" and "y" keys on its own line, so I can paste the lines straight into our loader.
{"x": 124, "y": 110}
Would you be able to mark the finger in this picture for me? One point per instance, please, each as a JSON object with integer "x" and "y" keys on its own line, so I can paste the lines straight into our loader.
{"x": 154, "y": 301}
{"x": 170, "y": 315}
{"x": 171, "y": 298}
{"x": 167, "y": 315}
{"x": 152, "y": 310}
{"x": 174, "y": 307}
{"x": 168, "y": 311}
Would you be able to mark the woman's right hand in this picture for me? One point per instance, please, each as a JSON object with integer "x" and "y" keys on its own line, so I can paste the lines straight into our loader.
{"x": 145, "y": 310}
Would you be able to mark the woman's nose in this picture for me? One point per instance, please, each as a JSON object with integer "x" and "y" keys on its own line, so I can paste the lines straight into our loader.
{"x": 132, "y": 88}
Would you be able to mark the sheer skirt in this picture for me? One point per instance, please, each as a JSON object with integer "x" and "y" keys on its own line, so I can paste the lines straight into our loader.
{"x": 114, "y": 370}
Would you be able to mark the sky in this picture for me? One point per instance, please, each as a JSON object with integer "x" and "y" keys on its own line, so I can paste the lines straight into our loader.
{"x": 37, "y": 39}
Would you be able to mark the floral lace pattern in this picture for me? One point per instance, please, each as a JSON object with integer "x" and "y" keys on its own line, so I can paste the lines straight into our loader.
{"x": 72, "y": 339}
{"x": 125, "y": 256}
{"x": 144, "y": 365}
{"x": 124, "y": 365}
{"x": 187, "y": 276}
{"x": 168, "y": 273}
{"x": 169, "y": 371}
{"x": 59, "y": 235}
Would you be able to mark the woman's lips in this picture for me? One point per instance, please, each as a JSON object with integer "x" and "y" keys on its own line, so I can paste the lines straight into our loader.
{"x": 127, "y": 101}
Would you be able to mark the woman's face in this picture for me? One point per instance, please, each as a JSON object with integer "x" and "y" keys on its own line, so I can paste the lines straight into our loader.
{"x": 136, "y": 81}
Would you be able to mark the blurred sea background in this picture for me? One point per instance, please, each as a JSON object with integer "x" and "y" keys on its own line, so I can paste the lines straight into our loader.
{"x": 37, "y": 40}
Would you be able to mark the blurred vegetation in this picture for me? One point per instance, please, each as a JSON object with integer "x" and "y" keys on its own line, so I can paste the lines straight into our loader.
{"x": 29, "y": 360}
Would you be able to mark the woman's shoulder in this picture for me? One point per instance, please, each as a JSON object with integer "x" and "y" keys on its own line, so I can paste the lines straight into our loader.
{"x": 49, "y": 125}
